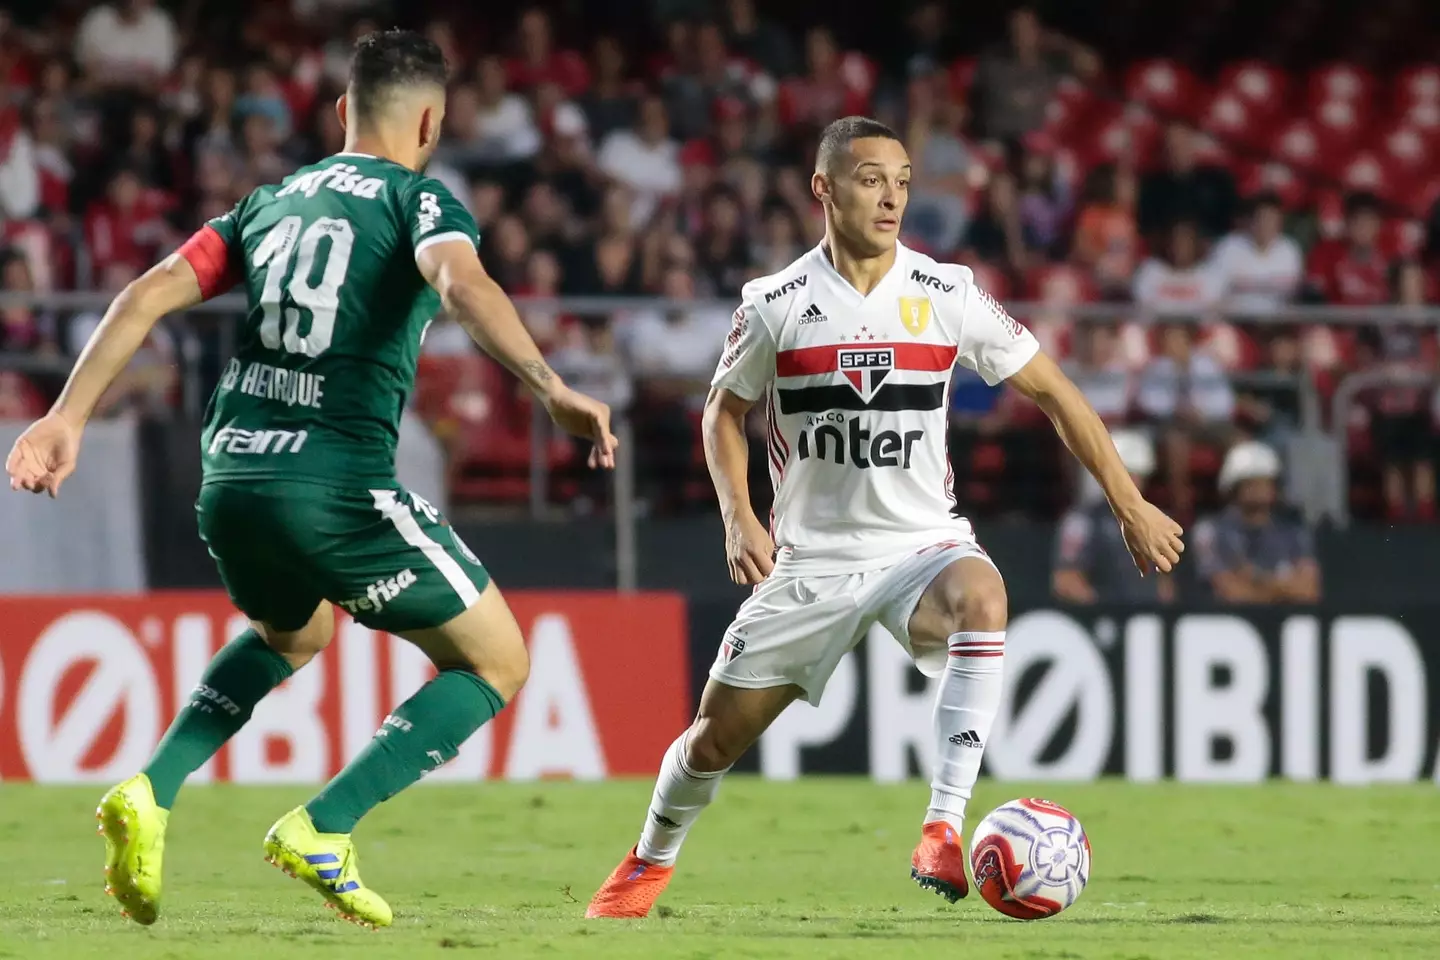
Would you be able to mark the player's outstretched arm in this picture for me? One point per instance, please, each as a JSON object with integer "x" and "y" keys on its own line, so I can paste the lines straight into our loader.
{"x": 44, "y": 455}
{"x": 1153, "y": 538}
{"x": 749, "y": 551}
{"x": 477, "y": 303}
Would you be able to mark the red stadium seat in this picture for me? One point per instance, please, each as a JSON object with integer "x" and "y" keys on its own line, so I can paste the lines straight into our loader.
{"x": 1167, "y": 87}
{"x": 1230, "y": 119}
{"x": 1253, "y": 177}
{"x": 1297, "y": 143}
{"x": 1417, "y": 85}
{"x": 1262, "y": 86}
{"x": 962, "y": 76}
{"x": 1340, "y": 81}
{"x": 1338, "y": 125}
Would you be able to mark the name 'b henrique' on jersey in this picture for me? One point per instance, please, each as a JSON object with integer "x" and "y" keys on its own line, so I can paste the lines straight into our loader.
{"x": 854, "y": 389}
{"x": 326, "y": 353}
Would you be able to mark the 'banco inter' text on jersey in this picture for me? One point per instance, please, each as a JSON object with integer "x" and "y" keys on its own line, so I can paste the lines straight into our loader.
{"x": 326, "y": 354}
{"x": 855, "y": 390}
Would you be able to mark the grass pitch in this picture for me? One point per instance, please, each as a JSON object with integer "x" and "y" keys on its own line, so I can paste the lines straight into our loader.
{"x": 816, "y": 868}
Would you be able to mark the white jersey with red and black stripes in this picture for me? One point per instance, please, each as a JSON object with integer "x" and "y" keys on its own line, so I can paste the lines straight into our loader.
{"x": 855, "y": 390}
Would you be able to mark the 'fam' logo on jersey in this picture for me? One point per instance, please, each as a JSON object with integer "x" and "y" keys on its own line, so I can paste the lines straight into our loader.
{"x": 865, "y": 369}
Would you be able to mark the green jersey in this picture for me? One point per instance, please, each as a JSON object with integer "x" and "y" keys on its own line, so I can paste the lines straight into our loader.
{"x": 337, "y": 308}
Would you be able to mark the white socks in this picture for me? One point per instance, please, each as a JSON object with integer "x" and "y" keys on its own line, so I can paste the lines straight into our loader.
{"x": 964, "y": 713}
{"x": 680, "y": 795}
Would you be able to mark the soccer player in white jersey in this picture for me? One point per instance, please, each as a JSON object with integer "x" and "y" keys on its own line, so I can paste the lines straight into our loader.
{"x": 850, "y": 348}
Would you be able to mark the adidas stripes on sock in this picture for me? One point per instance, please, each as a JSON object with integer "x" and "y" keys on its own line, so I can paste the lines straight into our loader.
{"x": 965, "y": 709}
{"x": 680, "y": 795}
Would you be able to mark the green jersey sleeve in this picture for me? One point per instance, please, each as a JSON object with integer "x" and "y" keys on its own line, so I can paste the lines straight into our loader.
{"x": 227, "y": 225}
{"x": 433, "y": 215}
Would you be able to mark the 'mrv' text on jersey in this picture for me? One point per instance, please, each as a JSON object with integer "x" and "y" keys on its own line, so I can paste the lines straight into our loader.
{"x": 924, "y": 279}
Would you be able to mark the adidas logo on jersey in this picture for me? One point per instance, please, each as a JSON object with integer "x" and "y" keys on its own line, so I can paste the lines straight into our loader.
{"x": 812, "y": 314}
{"x": 966, "y": 738}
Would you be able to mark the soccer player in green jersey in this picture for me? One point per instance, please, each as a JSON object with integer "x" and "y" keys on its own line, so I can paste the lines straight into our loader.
{"x": 343, "y": 266}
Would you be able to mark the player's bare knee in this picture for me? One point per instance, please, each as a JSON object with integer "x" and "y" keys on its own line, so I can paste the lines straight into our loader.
{"x": 711, "y": 746}
{"x": 299, "y": 647}
{"x": 506, "y": 673}
{"x": 984, "y": 608}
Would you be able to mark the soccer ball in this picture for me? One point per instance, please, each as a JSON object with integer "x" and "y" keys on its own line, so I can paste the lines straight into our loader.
{"x": 1030, "y": 858}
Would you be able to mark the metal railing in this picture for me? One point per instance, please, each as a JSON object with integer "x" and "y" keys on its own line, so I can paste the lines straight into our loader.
{"x": 1318, "y": 453}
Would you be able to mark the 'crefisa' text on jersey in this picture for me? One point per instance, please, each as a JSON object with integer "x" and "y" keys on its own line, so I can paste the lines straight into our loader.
{"x": 855, "y": 402}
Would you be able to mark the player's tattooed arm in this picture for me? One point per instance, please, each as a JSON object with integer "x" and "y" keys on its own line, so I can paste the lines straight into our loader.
{"x": 485, "y": 312}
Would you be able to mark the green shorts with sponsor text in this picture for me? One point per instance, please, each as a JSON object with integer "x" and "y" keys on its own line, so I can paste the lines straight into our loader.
{"x": 385, "y": 555}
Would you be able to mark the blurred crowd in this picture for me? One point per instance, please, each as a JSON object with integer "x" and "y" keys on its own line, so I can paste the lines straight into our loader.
{"x": 672, "y": 159}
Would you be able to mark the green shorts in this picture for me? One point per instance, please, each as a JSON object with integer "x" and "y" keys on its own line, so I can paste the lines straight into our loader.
{"x": 385, "y": 555}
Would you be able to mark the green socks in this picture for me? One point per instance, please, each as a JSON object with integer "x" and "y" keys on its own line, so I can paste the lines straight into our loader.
{"x": 239, "y": 677}
{"x": 420, "y": 735}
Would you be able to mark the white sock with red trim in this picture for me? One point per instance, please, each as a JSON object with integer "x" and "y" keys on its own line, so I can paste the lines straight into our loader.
{"x": 681, "y": 794}
{"x": 965, "y": 711}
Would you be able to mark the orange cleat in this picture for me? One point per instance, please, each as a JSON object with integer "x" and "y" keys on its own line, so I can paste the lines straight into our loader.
{"x": 631, "y": 890}
{"x": 939, "y": 861}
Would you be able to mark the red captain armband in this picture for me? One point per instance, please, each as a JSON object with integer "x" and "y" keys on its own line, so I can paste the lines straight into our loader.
{"x": 209, "y": 256}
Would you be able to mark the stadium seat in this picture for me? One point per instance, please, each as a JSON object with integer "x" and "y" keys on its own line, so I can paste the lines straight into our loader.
{"x": 1165, "y": 86}
{"x": 1262, "y": 86}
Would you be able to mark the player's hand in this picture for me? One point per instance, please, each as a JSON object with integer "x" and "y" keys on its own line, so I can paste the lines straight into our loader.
{"x": 1152, "y": 538}
{"x": 587, "y": 417}
{"x": 749, "y": 551}
{"x": 44, "y": 455}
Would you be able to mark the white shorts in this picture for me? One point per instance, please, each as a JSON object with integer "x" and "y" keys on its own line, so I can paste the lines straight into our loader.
{"x": 797, "y": 629}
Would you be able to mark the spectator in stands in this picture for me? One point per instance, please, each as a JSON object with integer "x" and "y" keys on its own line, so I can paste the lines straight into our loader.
{"x": 1254, "y": 551}
{"x": 610, "y": 102}
{"x": 690, "y": 93}
{"x": 1096, "y": 367}
{"x": 1259, "y": 268}
{"x": 778, "y": 242}
{"x": 758, "y": 40}
{"x": 20, "y": 399}
{"x": 1044, "y": 200}
{"x": 23, "y": 329}
{"x": 1270, "y": 411}
{"x": 1014, "y": 83}
{"x": 1183, "y": 188}
{"x": 1352, "y": 270}
{"x": 589, "y": 360}
{"x": 1092, "y": 563}
{"x": 1106, "y": 239}
{"x": 1186, "y": 397}
{"x": 19, "y": 171}
{"x": 673, "y": 354}
{"x": 723, "y": 255}
{"x": 824, "y": 92}
{"x": 939, "y": 207}
{"x": 993, "y": 235}
{"x": 538, "y": 61}
{"x": 1177, "y": 281}
{"x": 506, "y": 127}
{"x": 128, "y": 43}
{"x": 644, "y": 159}
{"x": 1401, "y": 429}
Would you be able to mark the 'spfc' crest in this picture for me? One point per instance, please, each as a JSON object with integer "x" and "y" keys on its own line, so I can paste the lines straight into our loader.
{"x": 866, "y": 368}
{"x": 915, "y": 314}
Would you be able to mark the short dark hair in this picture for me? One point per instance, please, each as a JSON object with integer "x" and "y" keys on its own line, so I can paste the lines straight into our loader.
{"x": 388, "y": 59}
{"x": 837, "y": 137}
{"x": 1362, "y": 201}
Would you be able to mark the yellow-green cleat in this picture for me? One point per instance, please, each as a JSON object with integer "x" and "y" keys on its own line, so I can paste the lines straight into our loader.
{"x": 327, "y": 862}
{"x": 133, "y": 826}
